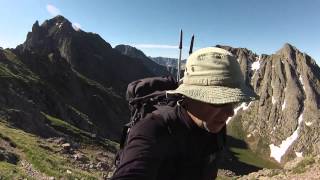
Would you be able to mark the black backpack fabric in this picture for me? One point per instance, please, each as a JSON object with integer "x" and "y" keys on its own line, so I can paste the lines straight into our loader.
{"x": 143, "y": 96}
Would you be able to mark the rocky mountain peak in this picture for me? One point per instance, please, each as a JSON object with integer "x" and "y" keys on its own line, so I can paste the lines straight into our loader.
{"x": 55, "y": 32}
{"x": 289, "y": 53}
{"x": 35, "y": 26}
{"x": 58, "y": 24}
{"x": 59, "y": 18}
{"x": 286, "y": 49}
{"x": 130, "y": 51}
{"x": 58, "y": 36}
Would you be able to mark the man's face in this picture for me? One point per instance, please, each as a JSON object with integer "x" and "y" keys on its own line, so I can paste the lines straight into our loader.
{"x": 215, "y": 116}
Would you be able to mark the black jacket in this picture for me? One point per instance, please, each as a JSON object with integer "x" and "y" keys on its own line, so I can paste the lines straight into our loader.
{"x": 167, "y": 145}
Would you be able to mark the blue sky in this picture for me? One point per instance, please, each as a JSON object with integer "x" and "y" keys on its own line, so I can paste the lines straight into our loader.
{"x": 154, "y": 26}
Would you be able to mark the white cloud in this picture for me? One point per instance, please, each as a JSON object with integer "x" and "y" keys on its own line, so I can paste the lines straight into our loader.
{"x": 53, "y": 10}
{"x": 156, "y": 46}
{"x": 76, "y": 26}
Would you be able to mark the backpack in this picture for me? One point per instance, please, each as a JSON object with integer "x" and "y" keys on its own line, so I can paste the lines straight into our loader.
{"x": 145, "y": 96}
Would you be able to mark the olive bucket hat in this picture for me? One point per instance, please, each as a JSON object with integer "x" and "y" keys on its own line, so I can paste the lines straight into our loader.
{"x": 213, "y": 75}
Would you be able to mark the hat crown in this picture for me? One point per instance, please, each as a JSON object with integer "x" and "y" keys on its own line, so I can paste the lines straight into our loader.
{"x": 213, "y": 67}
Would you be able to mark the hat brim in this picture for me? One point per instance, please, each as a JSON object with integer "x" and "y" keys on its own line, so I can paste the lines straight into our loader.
{"x": 216, "y": 94}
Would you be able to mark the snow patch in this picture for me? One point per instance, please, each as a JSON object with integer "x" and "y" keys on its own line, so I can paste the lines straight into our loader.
{"x": 76, "y": 26}
{"x": 283, "y": 105}
{"x": 255, "y": 66}
{"x": 69, "y": 172}
{"x": 278, "y": 151}
{"x": 308, "y": 123}
{"x": 228, "y": 120}
{"x": 243, "y": 106}
{"x": 299, "y": 154}
{"x": 300, "y": 119}
{"x": 301, "y": 80}
{"x": 273, "y": 100}
{"x": 59, "y": 25}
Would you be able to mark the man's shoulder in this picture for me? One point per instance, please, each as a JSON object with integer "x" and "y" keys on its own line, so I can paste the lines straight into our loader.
{"x": 155, "y": 124}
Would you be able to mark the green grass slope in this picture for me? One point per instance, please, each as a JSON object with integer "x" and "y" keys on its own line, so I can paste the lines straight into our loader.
{"x": 44, "y": 158}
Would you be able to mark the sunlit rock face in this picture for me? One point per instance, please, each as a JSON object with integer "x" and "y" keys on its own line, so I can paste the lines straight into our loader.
{"x": 284, "y": 122}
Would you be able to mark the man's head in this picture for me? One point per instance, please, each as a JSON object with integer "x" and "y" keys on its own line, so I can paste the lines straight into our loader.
{"x": 213, "y": 77}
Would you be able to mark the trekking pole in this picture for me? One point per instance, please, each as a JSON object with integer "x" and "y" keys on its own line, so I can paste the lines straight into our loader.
{"x": 179, "y": 60}
{"x": 191, "y": 44}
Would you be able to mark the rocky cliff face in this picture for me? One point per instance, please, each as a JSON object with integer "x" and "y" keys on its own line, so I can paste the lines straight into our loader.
{"x": 132, "y": 52}
{"x": 284, "y": 122}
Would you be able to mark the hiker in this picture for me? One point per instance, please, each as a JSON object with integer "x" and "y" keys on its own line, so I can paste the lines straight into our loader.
{"x": 181, "y": 142}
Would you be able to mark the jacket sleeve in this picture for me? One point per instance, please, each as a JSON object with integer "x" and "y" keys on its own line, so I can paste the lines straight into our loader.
{"x": 144, "y": 152}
